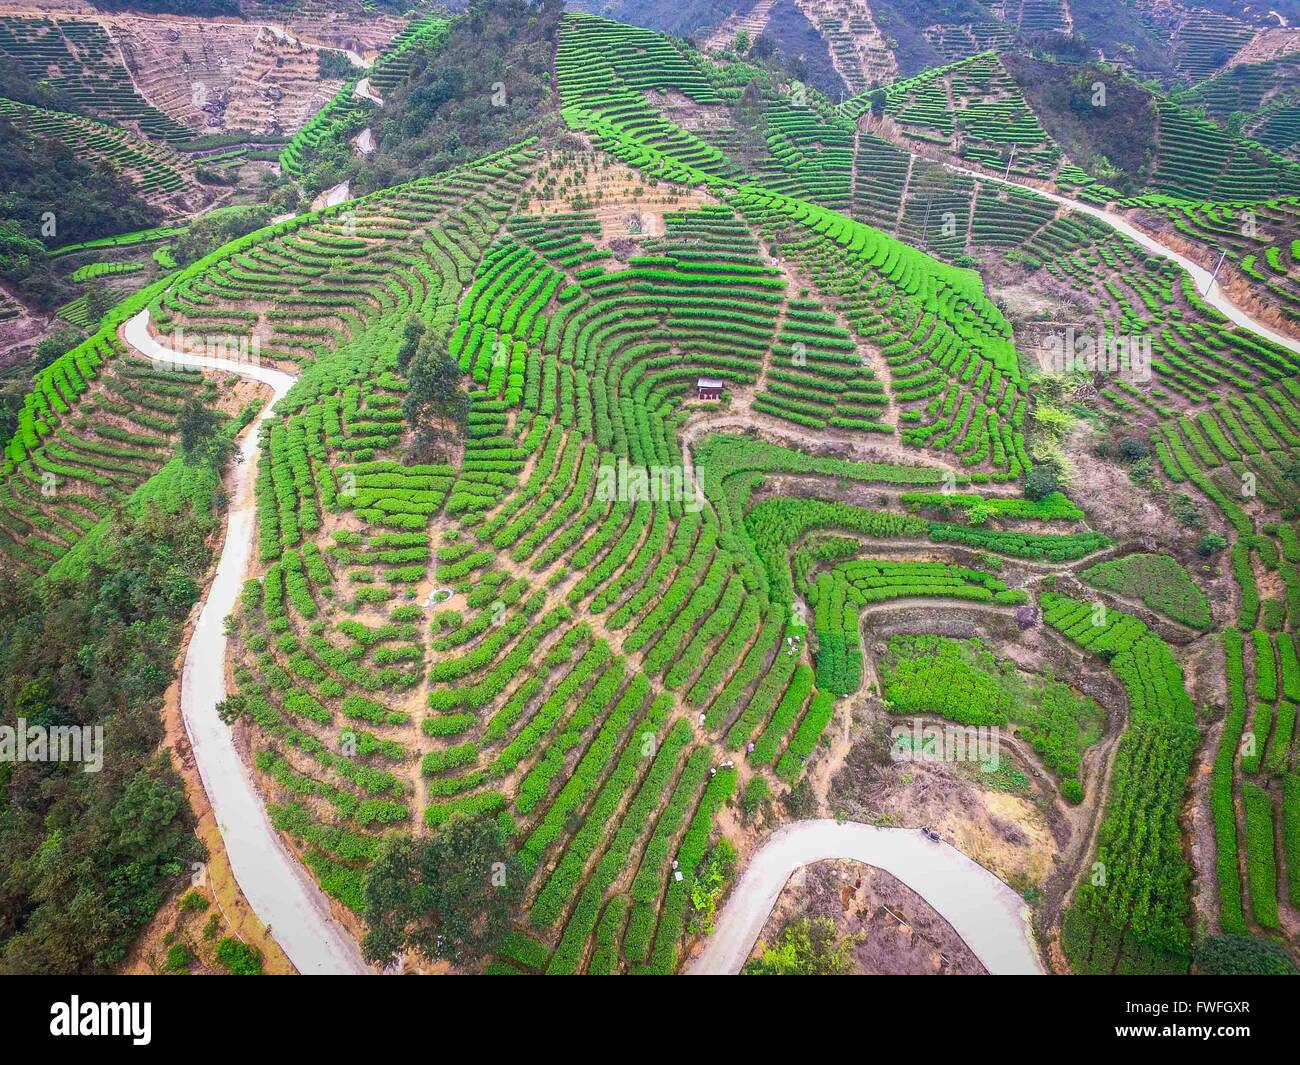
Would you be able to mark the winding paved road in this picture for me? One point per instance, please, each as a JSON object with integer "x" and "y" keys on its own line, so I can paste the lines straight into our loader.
{"x": 332, "y": 196}
{"x": 282, "y": 894}
{"x": 366, "y": 91}
{"x": 1200, "y": 276}
{"x": 991, "y": 918}
{"x": 988, "y": 915}
{"x": 357, "y": 60}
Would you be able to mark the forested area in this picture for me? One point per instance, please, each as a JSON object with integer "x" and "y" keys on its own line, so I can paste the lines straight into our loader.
{"x": 86, "y": 858}
{"x": 487, "y": 87}
{"x": 51, "y": 197}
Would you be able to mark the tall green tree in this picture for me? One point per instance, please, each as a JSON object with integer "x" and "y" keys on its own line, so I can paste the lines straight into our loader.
{"x": 198, "y": 425}
{"x": 86, "y": 858}
{"x": 436, "y": 407}
{"x": 412, "y": 334}
{"x": 450, "y": 896}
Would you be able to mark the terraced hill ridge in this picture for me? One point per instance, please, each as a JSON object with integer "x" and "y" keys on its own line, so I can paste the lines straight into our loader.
{"x": 173, "y": 79}
{"x": 1207, "y": 189}
{"x": 160, "y": 175}
{"x": 80, "y": 58}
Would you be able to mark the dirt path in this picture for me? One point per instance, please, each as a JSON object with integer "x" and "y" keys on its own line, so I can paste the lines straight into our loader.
{"x": 853, "y": 172}
{"x": 868, "y": 354}
{"x": 280, "y": 891}
{"x": 282, "y": 33}
{"x": 856, "y": 447}
{"x": 988, "y": 915}
{"x": 902, "y": 196}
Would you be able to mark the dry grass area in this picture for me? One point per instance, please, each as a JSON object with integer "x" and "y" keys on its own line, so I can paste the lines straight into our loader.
{"x": 367, "y": 35}
{"x": 627, "y": 205}
{"x": 20, "y": 329}
{"x": 752, "y": 22}
{"x": 1118, "y": 506}
{"x": 682, "y": 110}
{"x": 185, "y": 69}
{"x": 1270, "y": 44}
{"x": 279, "y": 88}
{"x": 1000, "y": 819}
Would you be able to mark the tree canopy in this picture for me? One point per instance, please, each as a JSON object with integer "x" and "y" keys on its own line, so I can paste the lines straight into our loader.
{"x": 447, "y": 896}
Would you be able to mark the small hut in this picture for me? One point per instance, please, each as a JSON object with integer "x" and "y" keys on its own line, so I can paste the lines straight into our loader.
{"x": 709, "y": 388}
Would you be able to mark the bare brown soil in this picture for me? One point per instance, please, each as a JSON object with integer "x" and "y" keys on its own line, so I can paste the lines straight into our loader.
{"x": 752, "y": 22}
{"x": 1007, "y": 832}
{"x": 626, "y": 205}
{"x": 861, "y": 59}
{"x": 1266, "y": 45}
{"x": 900, "y": 933}
{"x": 20, "y": 334}
{"x": 1120, "y": 508}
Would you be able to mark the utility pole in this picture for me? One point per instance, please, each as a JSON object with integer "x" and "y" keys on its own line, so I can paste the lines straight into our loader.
{"x": 1007, "y": 174}
{"x": 925, "y": 226}
{"x": 1222, "y": 256}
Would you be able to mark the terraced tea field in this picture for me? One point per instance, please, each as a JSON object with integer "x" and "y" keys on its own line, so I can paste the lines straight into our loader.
{"x": 79, "y": 58}
{"x": 1225, "y": 198}
{"x": 159, "y": 175}
{"x": 653, "y": 496}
